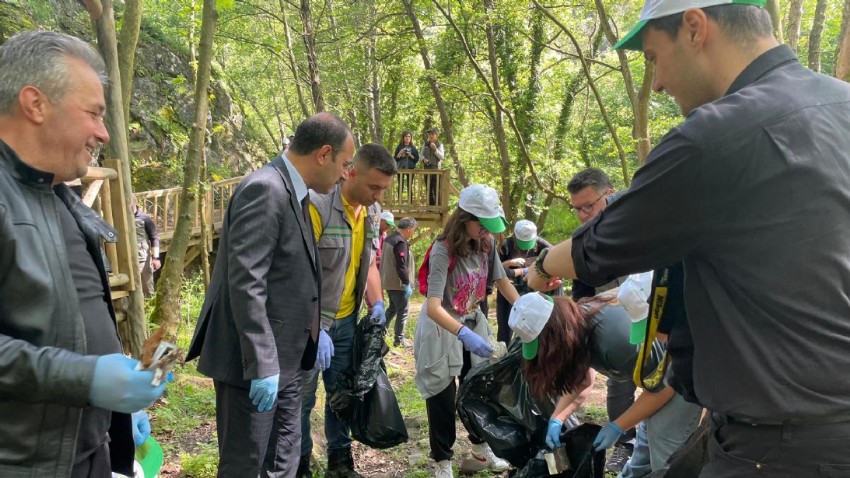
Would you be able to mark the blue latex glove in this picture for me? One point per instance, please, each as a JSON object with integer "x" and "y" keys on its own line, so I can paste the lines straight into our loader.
{"x": 325, "y": 352}
{"x": 263, "y": 392}
{"x": 607, "y": 437}
{"x": 141, "y": 427}
{"x": 379, "y": 316}
{"x": 553, "y": 433}
{"x": 408, "y": 291}
{"x": 474, "y": 342}
{"x": 118, "y": 387}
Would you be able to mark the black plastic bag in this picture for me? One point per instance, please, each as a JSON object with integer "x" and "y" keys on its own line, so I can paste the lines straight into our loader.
{"x": 495, "y": 404}
{"x": 354, "y": 383}
{"x": 584, "y": 462}
{"x": 364, "y": 397}
{"x": 377, "y": 420}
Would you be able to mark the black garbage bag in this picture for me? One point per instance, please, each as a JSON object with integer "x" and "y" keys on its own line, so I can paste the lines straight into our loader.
{"x": 354, "y": 383}
{"x": 584, "y": 462}
{"x": 377, "y": 420}
{"x": 364, "y": 397}
{"x": 495, "y": 404}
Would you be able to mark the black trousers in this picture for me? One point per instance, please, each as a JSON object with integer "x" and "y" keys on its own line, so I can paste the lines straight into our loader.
{"x": 442, "y": 417}
{"x": 251, "y": 443}
{"x": 503, "y": 312}
{"x": 620, "y": 395}
{"x": 742, "y": 450}
{"x": 96, "y": 465}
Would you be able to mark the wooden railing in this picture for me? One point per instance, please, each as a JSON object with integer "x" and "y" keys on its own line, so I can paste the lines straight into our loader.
{"x": 103, "y": 191}
{"x": 420, "y": 193}
{"x": 163, "y": 206}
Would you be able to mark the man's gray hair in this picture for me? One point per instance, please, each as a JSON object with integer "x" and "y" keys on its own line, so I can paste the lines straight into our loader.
{"x": 406, "y": 223}
{"x": 40, "y": 59}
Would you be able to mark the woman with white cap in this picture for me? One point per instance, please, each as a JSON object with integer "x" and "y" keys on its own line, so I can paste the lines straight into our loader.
{"x": 564, "y": 342}
{"x": 452, "y": 334}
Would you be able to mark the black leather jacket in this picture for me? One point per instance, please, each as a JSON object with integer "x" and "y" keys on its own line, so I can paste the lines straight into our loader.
{"x": 45, "y": 374}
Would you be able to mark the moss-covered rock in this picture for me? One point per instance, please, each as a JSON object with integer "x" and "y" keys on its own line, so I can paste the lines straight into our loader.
{"x": 13, "y": 19}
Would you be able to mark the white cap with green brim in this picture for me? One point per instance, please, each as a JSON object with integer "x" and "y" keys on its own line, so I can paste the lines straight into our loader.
{"x": 529, "y": 315}
{"x": 654, "y": 9}
{"x": 483, "y": 202}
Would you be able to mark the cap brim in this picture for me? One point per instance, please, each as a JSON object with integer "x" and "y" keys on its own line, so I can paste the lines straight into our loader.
{"x": 529, "y": 350}
{"x": 494, "y": 224}
{"x": 633, "y": 40}
{"x": 526, "y": 245}
{"x": 390, "y": 223}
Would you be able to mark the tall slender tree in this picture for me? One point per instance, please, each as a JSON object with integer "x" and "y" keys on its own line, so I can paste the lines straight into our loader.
{"x": 816, "y": 35}
{"x": 166, "y": 310}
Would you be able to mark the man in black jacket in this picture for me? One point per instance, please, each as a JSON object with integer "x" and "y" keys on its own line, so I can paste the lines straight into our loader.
{"x": 66, "y": 390}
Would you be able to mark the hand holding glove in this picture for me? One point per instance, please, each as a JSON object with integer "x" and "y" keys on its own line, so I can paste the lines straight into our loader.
{"x": 379, "y": 316}
{"x": 117, "y": 386}
{"x": 264, "y": 392}
{"x": 474, "y": 342}
{"x": 141, "y": 427}
{"x": 408, "y": 291}
{"x": 607, "y": 437}
{"x": 325, "y": 352}
{"x": 553, "y": 433}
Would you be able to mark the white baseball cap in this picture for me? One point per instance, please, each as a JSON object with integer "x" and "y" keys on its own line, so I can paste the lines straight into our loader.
{"x": 388, "y": 217}
{"x": 653, "y": 9}
{"x": 525, "y": 233}
{"x": 483, "y": 202}
{"x": 529, "y": 314}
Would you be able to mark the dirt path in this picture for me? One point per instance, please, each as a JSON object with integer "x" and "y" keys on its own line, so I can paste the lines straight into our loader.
{"x": 409, "y": 460}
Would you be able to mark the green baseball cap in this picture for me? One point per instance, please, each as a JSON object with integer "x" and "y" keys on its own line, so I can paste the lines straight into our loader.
{"x": 483, "y": 202}
{"x": 529, "y": 315}
{"x": 653, "y": 9}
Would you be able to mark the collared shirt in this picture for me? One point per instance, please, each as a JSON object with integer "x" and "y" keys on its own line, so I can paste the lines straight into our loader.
{"x": 752, "y": 192}
{"x": 357, "y": 219}
{"x": 297, "y": 181}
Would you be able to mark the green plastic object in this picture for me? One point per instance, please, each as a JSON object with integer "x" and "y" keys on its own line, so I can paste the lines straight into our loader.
{"x": 150, "y": 457}
{"x": 636, "y": 337}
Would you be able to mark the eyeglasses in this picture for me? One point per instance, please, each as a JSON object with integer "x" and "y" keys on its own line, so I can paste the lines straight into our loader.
{"x": 588, "y": 208}
{"x": 346, "y": 165}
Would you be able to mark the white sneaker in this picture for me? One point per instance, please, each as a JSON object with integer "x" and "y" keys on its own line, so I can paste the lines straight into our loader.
{"x": 485, "y": 455}
{"x": 444, "y": 469}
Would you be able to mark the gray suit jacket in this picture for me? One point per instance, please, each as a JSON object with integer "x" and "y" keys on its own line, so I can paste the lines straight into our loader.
{"x": 264, "y": 293}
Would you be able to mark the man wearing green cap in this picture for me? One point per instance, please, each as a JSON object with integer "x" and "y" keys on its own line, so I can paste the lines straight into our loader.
{"x": 746, "y": 191}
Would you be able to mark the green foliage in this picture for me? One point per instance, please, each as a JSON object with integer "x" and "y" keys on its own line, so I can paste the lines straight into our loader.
{"x": 201, "y": 464}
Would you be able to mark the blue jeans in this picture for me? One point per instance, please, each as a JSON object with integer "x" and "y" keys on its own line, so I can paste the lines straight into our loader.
{"x": 660, "y": 435}
{"x": 337, "y": 432}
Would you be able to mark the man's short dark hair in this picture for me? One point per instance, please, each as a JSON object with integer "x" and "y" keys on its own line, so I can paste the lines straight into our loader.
{"x": 590, "y": 177}
{"x": 318, "y": 130}
{"x": 743, "y": 23}
{"x": 406, "y": 223}
{"x": 375, "y": 156}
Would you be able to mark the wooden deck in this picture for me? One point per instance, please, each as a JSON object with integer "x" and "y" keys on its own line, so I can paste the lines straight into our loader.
{"x": 407, "y": 196}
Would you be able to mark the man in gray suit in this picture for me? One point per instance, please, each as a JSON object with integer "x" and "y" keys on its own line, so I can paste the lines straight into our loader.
{"x": 260, "y": 319}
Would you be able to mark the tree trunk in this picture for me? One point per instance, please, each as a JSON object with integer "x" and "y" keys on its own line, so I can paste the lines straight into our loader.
{"x": 309, "y": 36}
{"x": 205, "y": 222}
{"x": 193, "y": 53}
{"x": 842, "y": 53}
{"x": 590, "y": 81}
{"x": 792, "y": 26}
{"x": 639, "y": 102}
{"x": 351, "y": 111}
{"x": 293, "y": 65}
{"x": 445, "y": 119}
{"x": 166, "y": 311}
{"x": 134, "y": 334}
{"x": 775, "y": 12}
{"x": 498, "y": 121}
{"x": 816, "y": 34}
{"x": 127, "y": 40}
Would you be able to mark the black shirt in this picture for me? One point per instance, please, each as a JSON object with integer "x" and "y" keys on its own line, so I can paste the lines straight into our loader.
{"x": 100, "y": 332}
{"x": 752, "y": 192}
